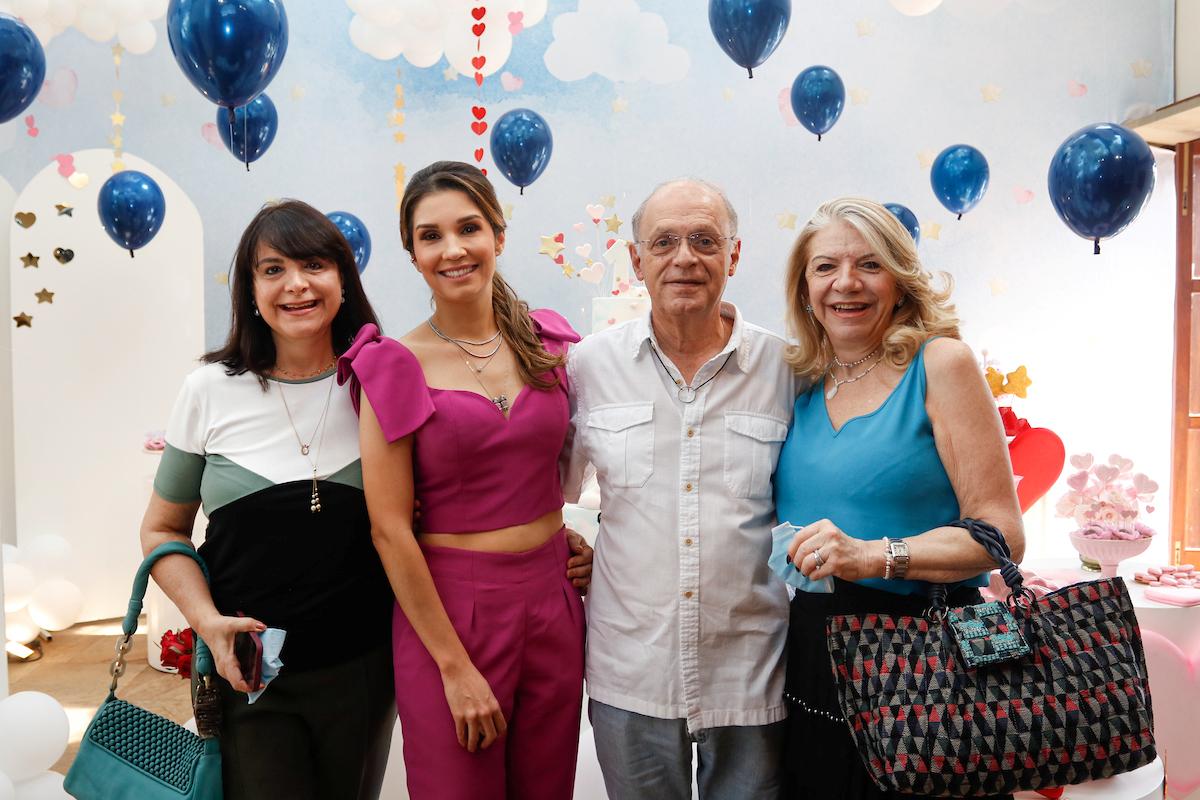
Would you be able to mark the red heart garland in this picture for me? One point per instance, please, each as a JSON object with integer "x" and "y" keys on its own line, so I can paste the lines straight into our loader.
{"x": 479, "y": 128}
{"x": 1038, "y": 456}
{"x": 558, "y": 259}
{"x": 478, "y": 61}
{"x": 479, "y": 111}
{"x": 478, "y": 13}
{"x": 558, "y": 237}
{"x": 479, "y": 154}
{"x": 478, "y": 28}
{"x": 609, "y": 243}
{"x": 479, "y": 79}
{"x": 484, "y": 171}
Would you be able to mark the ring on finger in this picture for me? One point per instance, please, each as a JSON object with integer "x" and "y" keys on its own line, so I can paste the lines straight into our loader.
{"x": 820, "y": 562}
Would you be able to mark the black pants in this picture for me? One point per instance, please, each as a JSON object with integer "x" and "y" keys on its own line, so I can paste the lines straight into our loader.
{"x": 323, "y": 734}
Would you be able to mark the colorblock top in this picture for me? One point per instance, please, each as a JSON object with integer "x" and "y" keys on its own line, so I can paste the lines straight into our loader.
{"x": 473, "y": 469}
{"x": 878, "y": 475}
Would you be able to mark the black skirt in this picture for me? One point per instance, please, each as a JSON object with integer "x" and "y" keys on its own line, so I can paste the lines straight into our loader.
{"x": 821, "y": 761}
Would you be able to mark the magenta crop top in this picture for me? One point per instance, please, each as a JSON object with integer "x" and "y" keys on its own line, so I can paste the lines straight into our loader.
{"x": 473, "y": 470}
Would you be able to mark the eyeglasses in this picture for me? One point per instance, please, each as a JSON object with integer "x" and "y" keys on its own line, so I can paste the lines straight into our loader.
{"x": 702, "y": 242}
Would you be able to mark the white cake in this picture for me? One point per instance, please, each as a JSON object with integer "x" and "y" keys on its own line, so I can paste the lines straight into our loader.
{"x": 627, "y": 299}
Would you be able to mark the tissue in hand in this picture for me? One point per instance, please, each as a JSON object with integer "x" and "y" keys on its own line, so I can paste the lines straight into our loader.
{"x": 781, "y": 538}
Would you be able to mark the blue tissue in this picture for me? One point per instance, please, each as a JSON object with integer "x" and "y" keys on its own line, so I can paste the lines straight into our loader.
{"x": 272, "y": 644}
{"x": 781, "y": 539}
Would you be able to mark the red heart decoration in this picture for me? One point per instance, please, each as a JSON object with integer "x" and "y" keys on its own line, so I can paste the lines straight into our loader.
{"x": 478, "y": 28}
{"x": 609, "y": 243}
{"x": 558, "y": 259}
{"x": 558, "y": 238}
{"x": 1037, "y": 456}
{"x": 479, "y": 79}
{"x": 484, "y": 171}
{"x": 479, "y": 111}
{"x": 478, "y": 13}
{"x": 479, "y": 128}
{"x": 478, "y": 61}
{"x": 479, "y": 154}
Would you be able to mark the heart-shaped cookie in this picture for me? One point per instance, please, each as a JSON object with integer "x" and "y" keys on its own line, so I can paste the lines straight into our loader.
{"x": 63, "y": 255}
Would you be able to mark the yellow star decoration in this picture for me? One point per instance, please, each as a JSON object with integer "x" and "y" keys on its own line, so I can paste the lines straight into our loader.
{"x": 117, "y": 51}
{"x": 508, "y": 211}
{"x": 1141, "y": 68}
{"x": 786, "y": 220}
{"x": 399, "y": 175}
{"x": 30, "y": 260}
{"x": 396, "y": 119}
{"x": 998, "y": 286}
{"x": 925, "y": 158}
{"x": 169, "y": 100}
{"x": 608, "y": 201}
{"x": 931, "y": 230}
{"x": 298, "y": 92}
{"x": 23, "y": 320}
{"x": 44, "y": 296}
{"x": 550, "y": 247}
{"x": 118, "y": 96}
{"x": 398, "y": 137}
{"x": 991, "y": 93}
{"x": 450, "y": 74}
{"x": 221, "y": 278}
{"x": 859, "y": 97}
{"x": 115, "y": 141}
{"x": 620, "y": 105}
{"x": 1017, "y": 382}
{"x": 995, "y": 381}
{"x": 118, "y": 119}
{"x": 568, "y": 271}
{"x": 864, "y": 27}
{"x": 117, "y": 166}
{"x": 727, "y": 94}
{"x": 613, "y": 223}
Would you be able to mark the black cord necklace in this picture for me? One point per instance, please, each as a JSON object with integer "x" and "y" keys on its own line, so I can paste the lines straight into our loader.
{"x": 687, "y": 394}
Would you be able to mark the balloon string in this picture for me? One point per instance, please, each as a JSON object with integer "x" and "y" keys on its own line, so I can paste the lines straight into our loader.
{"x": 522, "y": 192}
{"x": 818, "y": 137}
{"x": 751, "y": 71}
{"x": 131, "y": 252}
{"x": 960, "y": 216}
{"x": 1096, "y": 251}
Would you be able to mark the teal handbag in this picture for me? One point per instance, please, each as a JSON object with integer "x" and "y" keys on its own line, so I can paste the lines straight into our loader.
{"x": 127, "y": 753}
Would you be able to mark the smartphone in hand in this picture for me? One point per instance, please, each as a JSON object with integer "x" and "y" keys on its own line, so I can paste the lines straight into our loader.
{"x": 247, "y": 649}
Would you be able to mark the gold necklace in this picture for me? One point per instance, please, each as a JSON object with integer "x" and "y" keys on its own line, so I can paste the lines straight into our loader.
{"x": 298, "y": 376}
{"x": 314, "y": 505}
{"x": 838, "y": 383}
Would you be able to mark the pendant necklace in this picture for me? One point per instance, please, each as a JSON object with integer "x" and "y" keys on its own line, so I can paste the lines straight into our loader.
{"x": 500, "y": 401}
{"x": 314, "y": 505}
{"x": 459, "y": 343}
{"x": 839, "y": 382}
{"x": 685, "y": 393}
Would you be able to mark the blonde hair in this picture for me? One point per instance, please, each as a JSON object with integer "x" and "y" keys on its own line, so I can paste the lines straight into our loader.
{"x": 512, "y": 313}
{"x": 926, "y": 311}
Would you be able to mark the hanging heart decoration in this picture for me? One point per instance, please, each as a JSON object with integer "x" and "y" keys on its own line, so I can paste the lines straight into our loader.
{"x": 63, "y": 255}
{"x": 479, "y": 112}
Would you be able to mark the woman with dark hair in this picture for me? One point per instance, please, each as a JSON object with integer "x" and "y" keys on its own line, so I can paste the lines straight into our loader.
{"x": 467, "y": 413}
{"x": 264, "y": 438}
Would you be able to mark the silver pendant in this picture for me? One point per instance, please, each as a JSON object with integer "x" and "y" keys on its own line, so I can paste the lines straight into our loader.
{"x": 314, "y": 504}
{"x": 303, "y": 449}
{"x": 829, "y": 395}
{"x": 501, "y": 402}
{"x": 686, "y": 394}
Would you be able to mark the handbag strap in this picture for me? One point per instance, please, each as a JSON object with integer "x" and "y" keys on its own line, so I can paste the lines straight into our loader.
{"x": 992, "y": 540}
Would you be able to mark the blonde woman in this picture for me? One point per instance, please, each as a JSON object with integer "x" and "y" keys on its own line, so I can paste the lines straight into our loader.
{"x": 897, "y": 437}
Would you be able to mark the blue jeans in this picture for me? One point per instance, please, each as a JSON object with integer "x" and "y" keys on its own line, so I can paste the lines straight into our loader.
{"x": 644, "y": 757}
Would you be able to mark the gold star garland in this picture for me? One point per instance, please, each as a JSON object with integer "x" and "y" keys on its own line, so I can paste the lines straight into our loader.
{"x": 479, "y": 124}
{"x": 117, "y": 140}
{"x": 396, "y": 120}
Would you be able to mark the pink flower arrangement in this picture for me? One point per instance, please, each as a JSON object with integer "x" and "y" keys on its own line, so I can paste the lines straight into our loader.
{"x": 1106, "y": 500}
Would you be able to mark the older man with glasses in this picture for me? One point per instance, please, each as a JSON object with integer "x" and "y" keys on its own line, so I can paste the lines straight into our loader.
{"x": 682, "y": 414}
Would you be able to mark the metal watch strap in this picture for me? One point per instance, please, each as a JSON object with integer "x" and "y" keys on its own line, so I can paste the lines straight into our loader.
{"x": 898, "y": 558}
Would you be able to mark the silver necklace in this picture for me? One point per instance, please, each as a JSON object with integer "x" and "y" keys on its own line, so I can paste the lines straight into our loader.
{"x": 838, "y": 383}
{"x": 460, "y": 342}
{"x": 862, "y": 360}
{"x": 314, "y": 505}
{"x": 486, "y": 341}
{"x": 500, "y": 401}
{"x": 686, "y": 393}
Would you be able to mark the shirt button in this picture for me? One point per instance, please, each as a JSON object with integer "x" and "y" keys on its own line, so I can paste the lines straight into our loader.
{"x": 687, "y": 487}
{"x": 691, "y": 432}
{"x": 688, "y": 595}
{"x": 688, "y": 541}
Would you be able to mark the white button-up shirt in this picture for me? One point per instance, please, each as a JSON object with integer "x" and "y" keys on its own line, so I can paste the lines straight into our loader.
{"x": 685, "y": 619}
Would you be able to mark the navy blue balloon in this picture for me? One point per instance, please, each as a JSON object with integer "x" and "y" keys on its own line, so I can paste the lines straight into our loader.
{"x": 22, "y": 67}
{"x": 229, "y": 49}
{"x": 356, "y": 235}
{"x": 248, "y": 131}
{"x": 959, "y": 178}
{"x": 1100, "y": 179}
{"x": 749, "y": 30}
{"x": 131, "y": 208}
{"x": 818, "y": 97}
{"x": 907, "y": 218}
{"x": 521, "y": 146}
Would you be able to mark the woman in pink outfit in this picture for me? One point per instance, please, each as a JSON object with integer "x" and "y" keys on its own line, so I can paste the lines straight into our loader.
{"x": 467, "y": 414}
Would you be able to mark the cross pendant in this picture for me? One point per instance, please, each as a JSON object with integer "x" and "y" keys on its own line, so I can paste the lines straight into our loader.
{"x": 501, "y": 402}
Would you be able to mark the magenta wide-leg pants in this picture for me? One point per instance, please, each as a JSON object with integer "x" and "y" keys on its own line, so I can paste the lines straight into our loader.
{"x": 522, "y": 623}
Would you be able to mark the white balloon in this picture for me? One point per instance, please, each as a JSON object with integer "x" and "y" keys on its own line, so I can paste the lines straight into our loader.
{"x": 383, "y": 13}
{"x": 422, "y": 50}
{"x": 96, "y": 23}
{"x": 153, "y": 9}
{"x": 47, "y": 786}
{"x": 33, "y": 734}
{"x": 20, "y": 627}
{"x": 915, "y": 8}
{"x": 56, "y": 604}
{"x": 426, "y": 15}
{"x": 7, "y": 792}
{"x": 495, "y": 46}
{"x": 31, "y": 10}
{"x": 533, "y": 11}
{"x": 18, "y": 586}
{"x": 62, "y": 12}
{"x": 48, "y": 555}
{"x": 125, "y": 12}
{"x": 138, "y": 38}
{"x": 382, "y": 43}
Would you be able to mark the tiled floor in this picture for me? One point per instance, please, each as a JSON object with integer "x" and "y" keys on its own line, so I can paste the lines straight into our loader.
{"x": 74, "y": 671}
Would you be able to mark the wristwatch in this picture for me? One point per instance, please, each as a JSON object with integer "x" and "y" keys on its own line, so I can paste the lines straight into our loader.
{"x": 895, "y": 553}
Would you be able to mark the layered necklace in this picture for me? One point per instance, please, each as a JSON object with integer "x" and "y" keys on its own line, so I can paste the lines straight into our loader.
{"x": 498, "y": 400}
{"x": 686, "y": 393}
{"x": 840, "y": 382}
{"x": 314, "y": 505}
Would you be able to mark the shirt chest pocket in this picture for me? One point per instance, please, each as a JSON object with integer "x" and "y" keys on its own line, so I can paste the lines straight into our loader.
{"x": 622, "y": 444}
{"x": 752, "y": 443}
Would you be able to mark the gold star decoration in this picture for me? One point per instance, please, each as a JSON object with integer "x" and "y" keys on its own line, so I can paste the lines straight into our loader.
{"x": 550, "y": 247}
{"x": 995, "y": 381}
{"x": 608, "y": 201}
{"x": 116, "y": 141}
{"x": 396, "y": 119}
{"x": 23, "y": 320}
{"x": 221, "y": 278}
{"x": 118, "y": 119}
{"x": 508, "y": 211}
{"x": 859, "y": 97}
{"x": 398, "y": 137}
{"x": 931, "y": 230}
{"x": 620, "y": 105}
{"x": 168, "y": 99}
{"x": 118, "y": 51}
{"x": 30, "y": 260}
{"x": 786, "y": 220}
{"x": 450, "y": 74}
{"x": 998, "y": 286}
{"x": 64, "y": 209}
{"x": 117, "y": 166}
{"x": 398, "y": 176}
{"x": 613, "y": 223}
{"x": 44, "y": 296}
{"x": 1141, "y": 68}
{"x": 1017, "y": 382}
{"x": 298, "y": 92}
{"x": 990, "y": 93}
{"x": 864, "y": 27}
{"x": 925, "y": 158}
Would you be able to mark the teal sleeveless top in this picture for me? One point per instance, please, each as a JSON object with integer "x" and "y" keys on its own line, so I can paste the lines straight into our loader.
{"x": 880, "y": 475}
